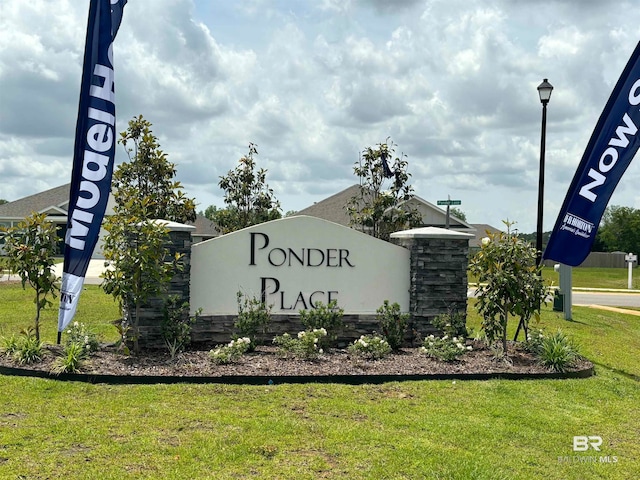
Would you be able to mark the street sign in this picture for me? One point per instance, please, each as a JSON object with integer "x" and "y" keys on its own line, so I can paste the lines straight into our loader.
{"x": 449, "y": 202}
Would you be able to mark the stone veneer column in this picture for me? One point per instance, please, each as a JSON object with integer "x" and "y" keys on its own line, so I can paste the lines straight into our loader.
{"x": 438, "y": 270}
{"x": 150, "y": 324}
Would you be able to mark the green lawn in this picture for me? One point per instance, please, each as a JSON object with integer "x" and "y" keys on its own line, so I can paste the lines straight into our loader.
{"x": 413, "y": 430}
{"x": 593, "y": 277}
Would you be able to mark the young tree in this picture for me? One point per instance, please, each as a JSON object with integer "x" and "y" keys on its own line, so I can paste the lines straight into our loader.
{"x": 144, "y": 190}
{"x": 509, "y": 283}
{"x": 30, "y": 248}
{"x": 150, "y": 176}
{"x": 381, "y": 212}
{"x": 459, "y": 214}
{"x": 139, "y": 266}
{"x": 249, "y": 199}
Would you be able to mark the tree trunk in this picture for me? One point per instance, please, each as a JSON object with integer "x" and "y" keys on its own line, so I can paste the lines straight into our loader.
{"x": 37, "y": 315}
{"x": 503, "y": 320}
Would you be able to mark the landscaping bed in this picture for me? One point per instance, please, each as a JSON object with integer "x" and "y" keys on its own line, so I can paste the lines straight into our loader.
{"x": 266, "y": 363}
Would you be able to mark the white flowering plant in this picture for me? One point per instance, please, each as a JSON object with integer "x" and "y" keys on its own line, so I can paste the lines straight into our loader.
{"x": 79, "y": 333}
{"x": 445, "y": 348}
{"x": 306, "y": 345}
{"x": 231, "y": 352}
{"x": 372, "y": 347}
{"x": 535, "y": 339}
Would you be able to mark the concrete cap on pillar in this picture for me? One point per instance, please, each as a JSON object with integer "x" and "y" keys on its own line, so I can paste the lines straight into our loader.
{"x": 432, "y": 232}
{"x": 175, "y": 226}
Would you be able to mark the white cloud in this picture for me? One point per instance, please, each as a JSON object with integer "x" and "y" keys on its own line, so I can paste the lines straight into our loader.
{"x": 312, "y": 83}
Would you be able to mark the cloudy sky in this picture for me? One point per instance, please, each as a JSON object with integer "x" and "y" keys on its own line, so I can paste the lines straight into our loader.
{"x": 312, "y": 83}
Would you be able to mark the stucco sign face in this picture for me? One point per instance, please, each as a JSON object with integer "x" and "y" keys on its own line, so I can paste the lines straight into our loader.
{"x": 294, "y": 263}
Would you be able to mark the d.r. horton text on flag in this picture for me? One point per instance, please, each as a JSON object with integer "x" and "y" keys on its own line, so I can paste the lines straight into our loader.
{"x": 612, "y": 146}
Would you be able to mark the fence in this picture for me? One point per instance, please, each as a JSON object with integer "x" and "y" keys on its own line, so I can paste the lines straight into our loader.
{"x": 600, "y": 260}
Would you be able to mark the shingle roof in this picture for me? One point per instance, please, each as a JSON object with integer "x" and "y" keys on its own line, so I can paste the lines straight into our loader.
{"x": 333, "y": 207}
{"x": 205, "y": 227}
{"x": 59, "y": 197}
{"x": 54, "y": 197}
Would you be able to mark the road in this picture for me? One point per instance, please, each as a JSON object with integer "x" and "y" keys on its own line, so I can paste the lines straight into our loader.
{"x": 611, "y": 299}
{"x": 618, "y": 298}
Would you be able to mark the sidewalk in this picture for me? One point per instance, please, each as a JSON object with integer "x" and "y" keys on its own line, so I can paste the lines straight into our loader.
{"x": 95, "y": 269}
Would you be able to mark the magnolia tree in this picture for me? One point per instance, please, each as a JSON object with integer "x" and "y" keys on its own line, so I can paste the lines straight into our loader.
{"x": 134, "y": 248}
{"x": 380, "y": 207}
{"x": 249, "y": 199}
{"x": 30, "y": 248}
{"x": 509, "y": 283}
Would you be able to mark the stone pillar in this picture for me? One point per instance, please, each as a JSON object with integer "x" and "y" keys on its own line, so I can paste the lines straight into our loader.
{"x": 438, "y": 270}
{"x": 150, "y": 324}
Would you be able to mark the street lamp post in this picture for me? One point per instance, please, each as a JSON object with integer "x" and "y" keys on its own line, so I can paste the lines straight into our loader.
{"x": 544, "y": 90}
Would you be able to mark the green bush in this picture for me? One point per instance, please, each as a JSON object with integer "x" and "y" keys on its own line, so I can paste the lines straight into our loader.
{"x": 558, "y": 352}
{"x": 534, "y": 341}
{"x": 230, "y": 353}
{"x": 305, "y": 346}
{"x": 253, "y": 318}
{"x": 78, "y": 333}
{"x": 446, "y": 349}
{"x": 176, "y": 325}
{"x": 371, "y": 347}
{"x": 452, "y": 323}
{"x": 327, "y": 317}
{"x": 393, "y": 323}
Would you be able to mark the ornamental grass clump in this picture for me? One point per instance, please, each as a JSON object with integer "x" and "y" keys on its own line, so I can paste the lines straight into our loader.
{"x": 371, "y": 347}
{"x": 306, "y": 345}
{"x": 72, "y": 359}
{"x": 558, "y": 352}
{"x": 446, "y": 349}
{"x": 80, "y": 343}
{"x": 231, "y": 352}
{"x": 393, "y": 323}
{"x": 28, "y": 348}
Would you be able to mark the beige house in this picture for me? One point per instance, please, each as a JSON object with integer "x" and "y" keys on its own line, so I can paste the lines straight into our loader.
{"x": 334, "y": 209}
{"x": 55, "y": 203}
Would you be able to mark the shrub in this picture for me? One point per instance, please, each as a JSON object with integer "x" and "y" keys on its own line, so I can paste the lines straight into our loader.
{"x": 79, "y": 334}
{"x": 230, "y": 353}
{"x": 393, "y": 324}
{"x": 304, "y": 346}
{"x": 372, "y": 347}
{"x": 327, "y": 317}
{"x": 452, "y": 324}
{"x": 253, "y": 317}
{"x": 445, "y": 348}
{"x": 176, "y": 325}
{"x": 509, "y": 283}
{"x": 534, "y": 341}
{"x": 558, "y": 352}
{"x": 72, "y": 359}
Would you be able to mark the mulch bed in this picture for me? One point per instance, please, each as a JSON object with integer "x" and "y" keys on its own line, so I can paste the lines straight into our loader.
{"x": 266, "y": 363}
